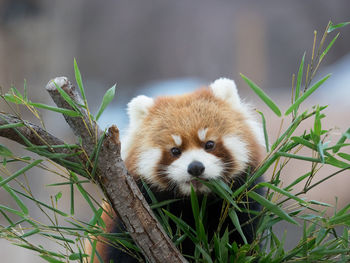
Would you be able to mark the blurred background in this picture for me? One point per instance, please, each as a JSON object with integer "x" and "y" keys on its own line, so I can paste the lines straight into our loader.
{"x": 168, "y": 47}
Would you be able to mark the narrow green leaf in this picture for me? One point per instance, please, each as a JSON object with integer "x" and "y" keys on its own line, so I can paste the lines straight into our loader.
{"x": 306, "y": 95}
{"x": 79, "y": 79}
{"x": 107, "y": 98}
{"x": 11, "y": 125}
{"x": 71, "y": 195}
{"x": 206, "y": 256}
{"x": 341, "y": 141}
{"x": 304, "y": 142}
{"x": 76, "y": 256}
{"x": 299, "y": 157}
{"x": 333, "y": 27}
{"x": 335, "y": 220}
{"x": 265, "y": 98}
{"x": 59, "y": 238}
{"x": 328, "y": 47}
{"x": 182, "y": 225}
{"x": 12, "y": 98}
{"x": 345, "y": 156}
{"x": 299, "y": 77}
{"x": 4, "y": 151}
{"x": 19, "y": 172}
{"x": 68, "y": 112}
{"x": 30, "y": 233}
{"x": 282, "y": 191}
{"x": 67, "y": 98}
{"x": 237, "y": 224}
{"x": 298, "y": 180}
{"x": 18, "y": 201}
{"x": 272, "y": 207}
{"x": 266, "y": 136}
{"x": 13, "y": 211}
{"x": 41, "y": 203}
{"x": 195, "y": 207}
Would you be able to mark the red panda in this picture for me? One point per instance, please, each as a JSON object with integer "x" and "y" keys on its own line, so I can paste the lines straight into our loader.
{"x": 171, "y": 141}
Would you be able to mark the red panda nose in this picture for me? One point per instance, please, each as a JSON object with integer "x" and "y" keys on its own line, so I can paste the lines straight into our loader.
{"x": 195, "y": 168}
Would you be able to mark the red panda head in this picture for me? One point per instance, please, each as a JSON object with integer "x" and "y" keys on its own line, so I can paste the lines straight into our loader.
{"x": 207, "y": 134}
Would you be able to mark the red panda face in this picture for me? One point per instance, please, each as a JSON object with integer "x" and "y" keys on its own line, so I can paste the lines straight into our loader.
{"x": 208, "y": 134}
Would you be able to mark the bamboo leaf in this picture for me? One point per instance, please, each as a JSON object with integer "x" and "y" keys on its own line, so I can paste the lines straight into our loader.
{"x": 19, "y": 172}
{"x": 276, "y": 210}
{"x": 265, "y": 98}
{"x": 282, "y": 191}
{"x": 306, "y": 95}
{"x": 18, "y": 201}
{"x": 68, "y": 112}
{"x": 299, "y": 77}
{"x": 233, "y": 215}
{"x": 328, "y": 47}
{"x": 107, "y": 98}
{"x": 337, "y": 26}
{"x": 11, "y": 125}
{"x": 79, "y": 79}
{"x": 266, "y": 136}
{"x": 4, "y": 151}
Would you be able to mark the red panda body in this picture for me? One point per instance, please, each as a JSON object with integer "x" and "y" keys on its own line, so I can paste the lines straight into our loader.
{"x": 209, "y": 134}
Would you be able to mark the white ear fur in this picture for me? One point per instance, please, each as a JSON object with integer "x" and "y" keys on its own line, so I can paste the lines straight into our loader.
{"x": 226, "y": 90}
{"x": 138, "y": 108}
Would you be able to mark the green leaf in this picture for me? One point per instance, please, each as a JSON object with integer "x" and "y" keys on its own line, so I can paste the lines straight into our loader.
{"x": 11, "y": 125}
{"x": 300, "y": 77}
{"x": 233, "y": 215}
{"x": 12, "y": 98}
{"x": 272, "y": 207}
{"x": 306, "y": 95}
{"x": 266, "y": 136}
{"x": 79, "y": 79}
{"x": 19, "y": 172}
{"x": 30, "y": 233}
{"x": 68, "y": 112}
{"x": 341, "y": 141}
{"x": 268, "y": 101}
{"x": 299, "y": 157}
{"x": 5, "y": 151}
{"x": 328, "y": 47}
{"x": 282, "y": 191}
{"x": 18, "y": 201}
{"x": 76, "y": 256}
{"x": 67, "y": 98}
{"x": 41, "y": 203}
{"x": 345, "y": 156}
{"x": 107, "y": 98}
{"x": 58, "y": 196}
{"x": 333, "y": 27}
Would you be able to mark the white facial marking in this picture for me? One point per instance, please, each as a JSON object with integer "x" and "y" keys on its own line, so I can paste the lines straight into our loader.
{"x": 177, "y": 171}
{"x": 177, "y": 139}
{"x": 147, "y": 163}
{"x": 239, "y": 151}
{"x": 202, "y": 133}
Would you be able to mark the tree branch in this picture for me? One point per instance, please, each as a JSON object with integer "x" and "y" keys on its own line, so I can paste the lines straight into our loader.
{"x": 121, "y": 189}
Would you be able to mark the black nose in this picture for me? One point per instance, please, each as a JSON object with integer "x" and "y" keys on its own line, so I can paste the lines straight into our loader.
{"x": 195, "y": 168}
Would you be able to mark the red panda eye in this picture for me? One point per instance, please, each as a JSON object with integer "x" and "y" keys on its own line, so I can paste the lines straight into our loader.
{"x": 209, "y": 145}
{"x": 175, "y": 151}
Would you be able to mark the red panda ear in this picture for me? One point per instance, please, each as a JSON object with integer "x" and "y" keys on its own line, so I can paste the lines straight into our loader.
{"x": 226, "y": 90}
{"x": 138, "y": 109}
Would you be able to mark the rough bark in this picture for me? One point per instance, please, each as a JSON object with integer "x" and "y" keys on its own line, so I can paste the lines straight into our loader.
{"x": 112, "y": 175}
